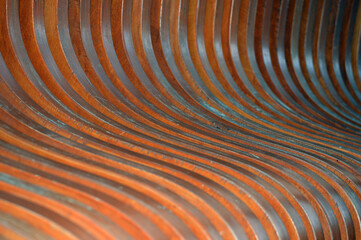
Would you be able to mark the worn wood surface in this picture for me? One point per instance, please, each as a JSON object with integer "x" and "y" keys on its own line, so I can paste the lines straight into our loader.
{"x": 177, "y": 119}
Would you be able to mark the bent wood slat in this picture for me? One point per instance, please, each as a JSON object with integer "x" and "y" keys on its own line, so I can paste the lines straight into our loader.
{"x": 175, "y": 119}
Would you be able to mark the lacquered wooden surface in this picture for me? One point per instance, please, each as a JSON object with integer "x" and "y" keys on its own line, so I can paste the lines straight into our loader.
{"x": 174, "y": 119}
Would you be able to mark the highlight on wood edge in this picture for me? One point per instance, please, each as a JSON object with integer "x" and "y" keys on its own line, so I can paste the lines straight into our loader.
{"x": 159, "y": 119}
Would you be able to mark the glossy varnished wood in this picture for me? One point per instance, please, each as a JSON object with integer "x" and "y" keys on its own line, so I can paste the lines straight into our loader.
{"x": 175, "y": 119}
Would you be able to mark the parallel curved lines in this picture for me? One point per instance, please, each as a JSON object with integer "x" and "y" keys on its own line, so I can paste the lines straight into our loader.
{"x": 135, "y": 119}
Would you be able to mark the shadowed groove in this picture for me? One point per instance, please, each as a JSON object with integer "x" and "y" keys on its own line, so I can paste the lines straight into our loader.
{"x": 177, "y": 119}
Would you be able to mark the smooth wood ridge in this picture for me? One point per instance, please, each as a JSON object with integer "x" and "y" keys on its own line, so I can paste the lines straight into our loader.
{"x": 160, "y": 119}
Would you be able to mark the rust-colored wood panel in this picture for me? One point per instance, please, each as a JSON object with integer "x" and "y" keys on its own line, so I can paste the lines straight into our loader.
{"x": 178, "y": 119}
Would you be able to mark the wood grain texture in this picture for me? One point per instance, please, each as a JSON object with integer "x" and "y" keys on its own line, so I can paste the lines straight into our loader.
{"x": 177, "y": 119}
